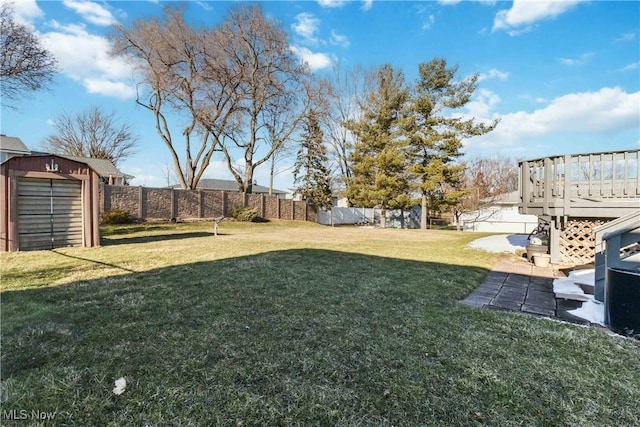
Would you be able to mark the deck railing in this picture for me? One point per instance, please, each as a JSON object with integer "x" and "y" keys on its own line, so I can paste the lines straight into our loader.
{"x": 580, "y": 184}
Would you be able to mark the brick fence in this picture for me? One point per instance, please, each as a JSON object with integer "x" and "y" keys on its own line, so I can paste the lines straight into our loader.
{"x": 148, "y": 203}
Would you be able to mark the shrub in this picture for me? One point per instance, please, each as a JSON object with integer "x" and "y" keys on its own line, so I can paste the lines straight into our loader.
{"x": 247, "y": 214}
{"x": 116, "y": 216}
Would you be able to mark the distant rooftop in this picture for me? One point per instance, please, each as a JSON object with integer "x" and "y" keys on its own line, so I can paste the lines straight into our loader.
{"x": 230, "y": 185}
{"x": 512, "y": 198}
{"x": 12, "y": 144}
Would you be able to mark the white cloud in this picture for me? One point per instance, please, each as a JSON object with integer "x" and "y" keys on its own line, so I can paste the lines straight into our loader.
{"x": 367, "y": 4}
{"x": 493, "y": 74}
{"x": 480, "y": 107}
{"x": 205, "y": 5}
{"x": 90, "y": 11}
{"x": 306, "y": 26}
{"x": 631, "y": 67}
{"x": 104, "y": 87}
{"x": 604, "y": 112}
{"x": 315, "y": 60}
{"x": 339, "y": 39}
{"x": 25, "y": 11}
{"x": 426, "y": 19}
{"x": 626, "y": 37}
{"x": 580, "y": 60}
{"x": 523, "y": 13}
{"x": 332, "y": 3}
{"x": 454, "y": 2}
{"x": 85, "y": 57}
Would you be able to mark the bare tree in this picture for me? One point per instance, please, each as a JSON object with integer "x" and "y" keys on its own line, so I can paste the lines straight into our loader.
{"x": 490, "y": 177}
{"x": 345, "y": 95}
{"x": 92, "y": 133}
{"x": 168, "y": 173}
{"x": 226, "y": 84}
{"x": 272, "y": 96}
{"x": 179, "y": 82}
{"x": 25, "y": 66}
{"x": 484, "y": 182}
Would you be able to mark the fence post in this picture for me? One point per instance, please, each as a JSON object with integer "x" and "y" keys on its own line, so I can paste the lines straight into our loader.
{"x": 140, "y": 203}
{"x": 224, "y": 202}
{"x": 278, "y": 208}
{"x": 173, "y": 203}
{"x": 293, "y": 210}
{"x": 262, "y": 211}
{"x": 106, "y": 206}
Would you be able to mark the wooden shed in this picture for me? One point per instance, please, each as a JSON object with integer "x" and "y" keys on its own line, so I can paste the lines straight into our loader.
{"x": 48, "y": 202}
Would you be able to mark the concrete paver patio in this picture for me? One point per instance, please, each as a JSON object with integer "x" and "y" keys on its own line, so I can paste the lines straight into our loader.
{"x": 514, "y": 284}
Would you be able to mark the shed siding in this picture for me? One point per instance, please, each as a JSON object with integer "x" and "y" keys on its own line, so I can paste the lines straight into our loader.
{"x": 49, "y": 213}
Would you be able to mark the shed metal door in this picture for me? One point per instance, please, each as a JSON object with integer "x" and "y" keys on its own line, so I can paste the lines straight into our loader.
{"x": 49, "y": 213}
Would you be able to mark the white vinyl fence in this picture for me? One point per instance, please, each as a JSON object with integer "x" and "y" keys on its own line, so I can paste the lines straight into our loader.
{"x": 369, "y": 216}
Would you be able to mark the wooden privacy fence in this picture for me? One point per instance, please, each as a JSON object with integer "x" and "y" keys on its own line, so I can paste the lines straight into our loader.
{"x": 147, "y": 203}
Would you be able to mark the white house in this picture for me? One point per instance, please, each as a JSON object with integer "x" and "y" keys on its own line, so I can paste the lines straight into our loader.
{"x": 500, "y": 215}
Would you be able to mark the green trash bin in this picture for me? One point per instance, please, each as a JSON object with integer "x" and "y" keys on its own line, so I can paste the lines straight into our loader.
{"x": 622, "y": 301}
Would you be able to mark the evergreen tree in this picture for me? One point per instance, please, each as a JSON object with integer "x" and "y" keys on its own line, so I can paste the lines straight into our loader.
{"x": 436, "y": 135}
{"x": 311, "y": 170}
{"x": 378, "y": 159}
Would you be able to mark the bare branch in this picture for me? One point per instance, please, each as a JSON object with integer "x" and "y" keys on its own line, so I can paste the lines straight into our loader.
{"x": 92, "y": 133}
{"x": 25, "y": 66}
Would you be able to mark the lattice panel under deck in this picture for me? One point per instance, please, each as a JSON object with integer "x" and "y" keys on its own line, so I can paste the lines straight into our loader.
{"x": 577, "y": 242}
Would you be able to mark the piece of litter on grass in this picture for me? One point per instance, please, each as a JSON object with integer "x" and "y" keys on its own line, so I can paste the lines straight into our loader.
{"x": 121, "y": 385}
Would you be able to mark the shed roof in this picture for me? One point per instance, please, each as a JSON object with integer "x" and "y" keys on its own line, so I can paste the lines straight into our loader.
{"x": 103, "y": 166}
{"x": 13, "y": 145}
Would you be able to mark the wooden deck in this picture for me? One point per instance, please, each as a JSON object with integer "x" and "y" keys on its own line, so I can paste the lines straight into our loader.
{"x": 596, "y": 185}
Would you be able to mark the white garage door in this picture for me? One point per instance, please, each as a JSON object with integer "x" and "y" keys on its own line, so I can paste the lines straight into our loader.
{"x": 49, "y": 213}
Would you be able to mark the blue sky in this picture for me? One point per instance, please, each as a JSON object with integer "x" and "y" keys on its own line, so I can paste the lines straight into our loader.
{"x": 562, "y": 76}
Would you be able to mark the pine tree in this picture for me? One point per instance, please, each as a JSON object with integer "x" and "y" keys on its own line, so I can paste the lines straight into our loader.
{"x": 436, "y": 136}
{"x": 378, "y": 160}
{"x": 311, "y": 170}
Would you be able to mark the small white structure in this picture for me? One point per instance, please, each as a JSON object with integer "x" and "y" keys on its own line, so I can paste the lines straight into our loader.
{"x": 500, "y": 214}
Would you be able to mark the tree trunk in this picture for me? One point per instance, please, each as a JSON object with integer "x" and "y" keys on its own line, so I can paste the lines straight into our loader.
{"x": 248, "y": 177}
{"x": 271, "y": 173}
{"x": 423, "y": 212}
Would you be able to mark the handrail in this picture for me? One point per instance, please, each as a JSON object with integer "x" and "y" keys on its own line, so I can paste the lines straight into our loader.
{"x": 554, "y": 182}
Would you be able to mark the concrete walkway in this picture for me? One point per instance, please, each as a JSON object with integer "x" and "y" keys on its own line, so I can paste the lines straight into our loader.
{"x": 514, "y": 284}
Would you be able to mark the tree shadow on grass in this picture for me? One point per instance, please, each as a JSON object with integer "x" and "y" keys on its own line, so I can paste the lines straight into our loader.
{"x": 313, "y": 336}
{"x": 271, "y": 330}
{"x": 108, "y": 241}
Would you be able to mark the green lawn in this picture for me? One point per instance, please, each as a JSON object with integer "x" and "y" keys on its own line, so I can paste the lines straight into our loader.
{"x": 289, "y": 323}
